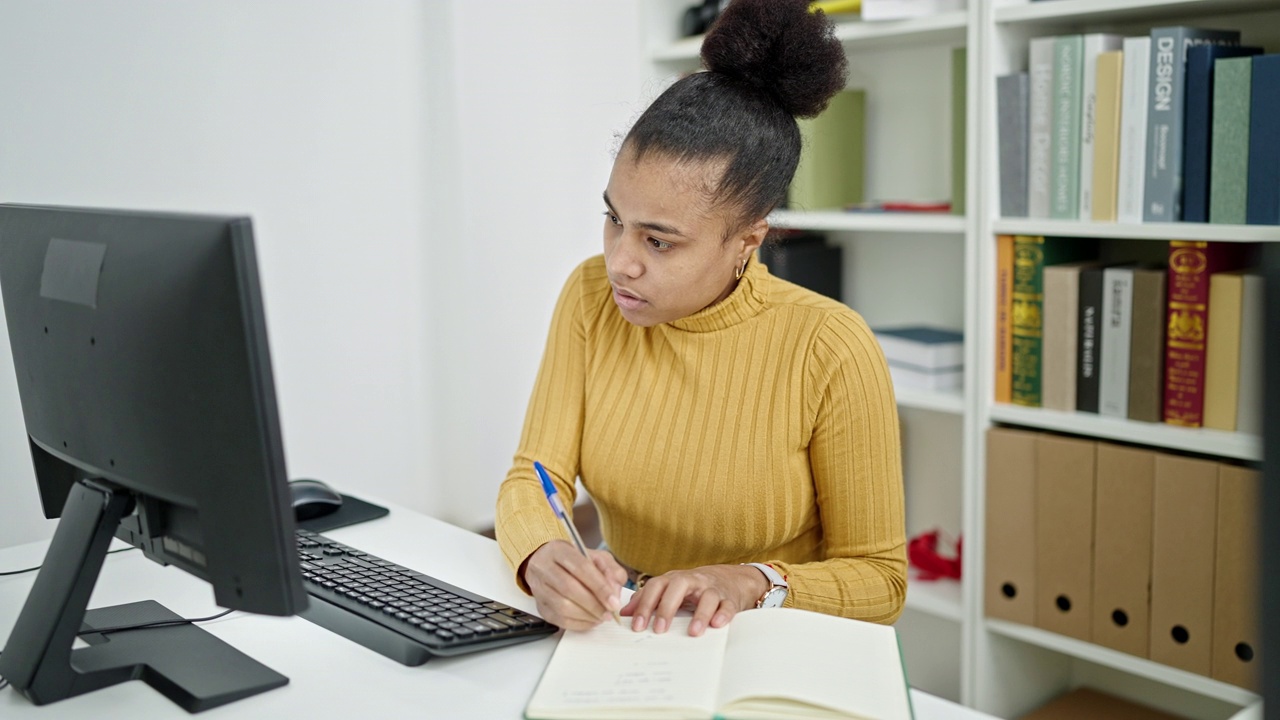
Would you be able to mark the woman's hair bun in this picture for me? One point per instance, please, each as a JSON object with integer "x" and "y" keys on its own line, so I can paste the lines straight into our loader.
{"x": 781, "y": 48}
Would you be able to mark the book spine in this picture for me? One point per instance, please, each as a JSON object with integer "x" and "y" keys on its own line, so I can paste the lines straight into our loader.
{"x": 1146, "y": 346}
{"x": 1068, "y": 79}
{"x": 1198, "y": 126}
{"x": 1106, "y": 142}
{"x": 1190, "y": 266}
{"x": 1093, "y": 45}
{"x": 1249, "y": 407}
{"x": 1089, "y": 341}
{"x": 1222, "y": 356}
{"x": 1028, "y": 298}
{"x": 959, "y": 92}
{"x": 1041, "y": 126}
{"x": 1229, "y": 161}
{"x": 1004, "y": 320}
{"x": 1264, "y": 142}
{"x": 1058, "y": 367}
{"x": 1113, "y": 366}
{"x": 1133, "y": 130}
{"x": 1012, "y": 97}
{"x": 1165, "y": 119}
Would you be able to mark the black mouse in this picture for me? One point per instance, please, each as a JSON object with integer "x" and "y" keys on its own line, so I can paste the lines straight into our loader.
{"x": 312, "y": 499}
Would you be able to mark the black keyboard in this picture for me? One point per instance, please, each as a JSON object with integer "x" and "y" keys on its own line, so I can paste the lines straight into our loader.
{"x": 400, "y": 613}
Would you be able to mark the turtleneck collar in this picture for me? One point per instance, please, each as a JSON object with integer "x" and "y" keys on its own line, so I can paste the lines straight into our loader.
{"x": 744, "y": 303}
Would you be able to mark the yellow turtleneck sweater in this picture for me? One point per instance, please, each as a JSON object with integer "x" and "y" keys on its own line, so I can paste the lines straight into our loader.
{"x": 760, "y": 429}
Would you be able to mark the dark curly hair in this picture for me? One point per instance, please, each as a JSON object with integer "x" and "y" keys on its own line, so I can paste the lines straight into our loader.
{"x": 767, "y": 62}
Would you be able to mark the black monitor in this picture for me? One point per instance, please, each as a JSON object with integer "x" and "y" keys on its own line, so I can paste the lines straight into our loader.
{"x": 141, "y": 356}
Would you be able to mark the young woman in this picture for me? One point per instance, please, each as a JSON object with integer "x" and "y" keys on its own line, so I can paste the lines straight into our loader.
{"x": 737, "y": 433}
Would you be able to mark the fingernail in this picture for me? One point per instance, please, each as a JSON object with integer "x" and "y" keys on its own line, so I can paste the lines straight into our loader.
{"x": 695, "y": 627}
{"x": 637, "y": 623}
{"x": 719, "y": 620}
{"x": 660, "y": 626}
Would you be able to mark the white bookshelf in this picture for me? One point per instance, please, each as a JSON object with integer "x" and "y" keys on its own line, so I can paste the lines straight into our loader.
{"x": 939, "y": 269}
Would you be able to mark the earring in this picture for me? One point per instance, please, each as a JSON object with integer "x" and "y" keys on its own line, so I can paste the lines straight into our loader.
{"x": 738, "y": 271}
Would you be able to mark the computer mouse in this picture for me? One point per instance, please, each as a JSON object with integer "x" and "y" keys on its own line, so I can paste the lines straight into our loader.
{"x": 312, "y": 498}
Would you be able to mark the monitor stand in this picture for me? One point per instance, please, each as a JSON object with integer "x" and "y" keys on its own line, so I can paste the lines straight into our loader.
{"x": 186, "y": 664}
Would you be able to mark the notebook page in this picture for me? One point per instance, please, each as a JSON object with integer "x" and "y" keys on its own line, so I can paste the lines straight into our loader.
{"x": 818, "y": 659}
{"x": 611, "y": 666}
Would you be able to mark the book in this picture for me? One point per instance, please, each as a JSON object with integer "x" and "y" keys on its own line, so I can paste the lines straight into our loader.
{"x": 922, "y": 346}
{"x": 1146, "y": 345}
{"x": 1229, "y": 162}
{"x": 1040, "y": 124}
{"x": 1249, "y": 408}
{"x": 1106, "y": 137}
{"x": 1089, "y": 338}
{"x": 1031, "y": 253}
{"x": 1004, "y": 318}
{"x": 1113, "y": 360}
{"x": 1222, "y": 354}
{"x": 876, "y": 10}
{"x": 1061, "y": 321}
{"x": 1012, "y": 121}
{"x": 1064, "y": 163}
{"x": 906, "y": 376}
{"x": 835, "y": 668}
{"x": 830, "y": 172}
{"x": 1198, "y": 136}
{"x": 1094, "y": 45}
{"x": 1263, "y": 207}
{"x": 1131, "y": 185}
{"x": 1163, "y": 194}
{"x": 1187, "y": 323}
{"x": 958, "y": 94}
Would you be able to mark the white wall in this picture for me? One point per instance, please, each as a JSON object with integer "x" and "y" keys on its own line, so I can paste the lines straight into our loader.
{"x": 422, "y": 175}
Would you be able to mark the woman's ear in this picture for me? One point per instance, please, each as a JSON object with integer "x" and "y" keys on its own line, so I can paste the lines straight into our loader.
{"x": 753, "y": 236}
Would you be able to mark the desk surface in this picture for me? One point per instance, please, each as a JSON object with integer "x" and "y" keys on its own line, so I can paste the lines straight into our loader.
{"x": 330, "y": 676}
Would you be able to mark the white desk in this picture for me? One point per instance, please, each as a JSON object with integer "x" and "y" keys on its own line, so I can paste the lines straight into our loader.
{"x": 330, "y": 676}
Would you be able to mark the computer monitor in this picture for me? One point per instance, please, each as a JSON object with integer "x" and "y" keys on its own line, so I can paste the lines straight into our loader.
{"x": 145, "y": 380}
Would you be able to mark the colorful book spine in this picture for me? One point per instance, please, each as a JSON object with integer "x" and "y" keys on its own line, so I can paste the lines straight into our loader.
{"x": 1146, "y": 345}
{"x": 1187, "y": 323}
{"x": 1089, "y": 340}
{"x": 1094, "y": 45}
{"x": 1064, "y": 165}
{"x": 1229, "y": 162}
{"x": 1012, "y": 118}
{"x": 1198, "y": 126}
{"x": 1030, "y": 256}
{"x": 1004, "y": 318}
{"x": 1133, "y": 130}
{"x": 1041, "y": 126}
{"x": 1264, "y": 142}
{"x": 1117, "y": 320}
{"x": 1165, "y": 115}
{"x": 1222, "y": 354}
{"x": 1106, "y": 136}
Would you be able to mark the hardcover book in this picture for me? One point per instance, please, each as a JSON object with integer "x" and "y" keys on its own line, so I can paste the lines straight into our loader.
{"x": 830, "y": 173}
{"x": 1264, "y": 142}
{"x": 1222, "y": 354}
{"x": 1041, "y": 126}
{"x": 922, "y": 346}
{"x": 1061, "y": 322}
{"x": 1094, "y": 45}
{"x": 1004, "y": 318}
{"x": 1106, "y": 137}
{"x": 1031, "y": 254}
{"x": 1131, "y": 185}
{"x": 1089, "y": 339}
{"x": 1113, "y": 364}
{"x": 1229, "y": 162}
{"x": 1197, "y": 140}
{"x": 1165, "y": 115}
{"x": 1064, "y": 164}
{"x": 1249, "y": 408}
{"x": 1012, "y": 111}
{"x": 1146, "y": 345}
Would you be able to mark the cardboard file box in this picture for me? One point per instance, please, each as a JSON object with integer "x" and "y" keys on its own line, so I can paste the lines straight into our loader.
{"x": 1064, "y": 534}
{"x": 1122, "y": 549}
{"x": 1236, "y": 656}
{"x": 1009, "y": 585}
{"x": 1183, "y": 531}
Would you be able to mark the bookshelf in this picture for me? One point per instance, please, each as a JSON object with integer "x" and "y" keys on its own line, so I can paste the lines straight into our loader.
{"x": 939, "y": 269}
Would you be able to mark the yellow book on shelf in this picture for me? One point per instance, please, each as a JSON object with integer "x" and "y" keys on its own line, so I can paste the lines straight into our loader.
{"x": 1106, "y": 135}
{"x": 1222, "y": 352}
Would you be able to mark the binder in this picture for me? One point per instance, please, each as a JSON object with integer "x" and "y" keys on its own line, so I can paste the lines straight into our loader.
{"x": 1236, "y": 656}
{"x": 1122, "y": 549}
{"x": 1009, "y": 585}
{"x": 1183, "y": 529}
{"x": 1064, "y": 491}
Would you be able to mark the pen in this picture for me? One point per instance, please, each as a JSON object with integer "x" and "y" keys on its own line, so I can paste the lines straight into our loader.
{"x": 557, "y": 507}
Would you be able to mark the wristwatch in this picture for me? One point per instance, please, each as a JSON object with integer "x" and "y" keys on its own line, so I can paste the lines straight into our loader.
{"x": 777, "y": 591}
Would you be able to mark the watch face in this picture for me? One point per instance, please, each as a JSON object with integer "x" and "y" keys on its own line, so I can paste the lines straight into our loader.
{"x": 774, "y": 598}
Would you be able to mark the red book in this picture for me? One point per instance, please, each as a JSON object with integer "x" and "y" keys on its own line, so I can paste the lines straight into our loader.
{"x": 1190, "y": 265}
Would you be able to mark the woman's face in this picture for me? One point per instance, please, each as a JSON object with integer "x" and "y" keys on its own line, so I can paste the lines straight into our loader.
{"x": 665, "y": 245}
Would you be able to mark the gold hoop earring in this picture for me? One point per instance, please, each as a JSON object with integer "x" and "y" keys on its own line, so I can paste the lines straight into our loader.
{"x": 738, "y": 271}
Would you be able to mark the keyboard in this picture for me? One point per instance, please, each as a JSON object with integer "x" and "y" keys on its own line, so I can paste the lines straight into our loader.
{"x": 402, "y": 614}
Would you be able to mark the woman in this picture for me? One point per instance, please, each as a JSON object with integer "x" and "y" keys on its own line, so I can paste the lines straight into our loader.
{"x": 717, "y": 415}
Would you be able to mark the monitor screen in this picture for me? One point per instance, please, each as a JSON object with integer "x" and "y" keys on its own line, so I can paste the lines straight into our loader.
{"x": 143, "y": 370}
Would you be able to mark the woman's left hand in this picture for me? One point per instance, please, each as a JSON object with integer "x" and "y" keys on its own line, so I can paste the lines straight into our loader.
{"x": 715, "y": 592}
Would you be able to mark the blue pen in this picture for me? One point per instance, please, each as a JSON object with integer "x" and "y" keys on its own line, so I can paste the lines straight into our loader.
{"x": 557, "y": 507}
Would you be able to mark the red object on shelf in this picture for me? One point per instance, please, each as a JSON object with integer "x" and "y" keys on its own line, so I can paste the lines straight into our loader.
{"x": 922, "y": 552}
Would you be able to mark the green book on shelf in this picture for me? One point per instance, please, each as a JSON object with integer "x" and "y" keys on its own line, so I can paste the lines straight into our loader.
{"x": 1064, "y": 162}
{"x": 1031, "y": 253}
{"x": 1229, "y": 161}
{"x": 830, "y": 173}
{"x": 958, "y": 95}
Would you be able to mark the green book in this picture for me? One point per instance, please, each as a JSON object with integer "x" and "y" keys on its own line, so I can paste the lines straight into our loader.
{"x": 830, "y": 173}
{"x": 1064, "y": 160}
{"x": 1229, "y": 161}
{"x": 958, "y": 95}
{"x": 1031, "y": 253}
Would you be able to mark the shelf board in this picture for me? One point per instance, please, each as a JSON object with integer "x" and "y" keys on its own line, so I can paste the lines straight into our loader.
{"x": 940, "y": 29}
{"x": 835, "y": 220}
{"x": 1123, "y": 661}
{"x": 940, "y": 598}
{"x": 948, "y": 401}
{"x": 1143, "y": 231}
{"x": 1087, "y": 11}
{"x": 1198, "y": 440}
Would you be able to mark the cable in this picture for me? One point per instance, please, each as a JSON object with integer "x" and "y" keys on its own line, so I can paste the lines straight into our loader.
{"x": 33, "y": 569}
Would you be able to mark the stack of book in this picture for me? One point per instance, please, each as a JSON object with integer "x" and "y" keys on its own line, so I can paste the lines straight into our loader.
{"x": 1180, "y": 125}
{"x": 923, "y": 357}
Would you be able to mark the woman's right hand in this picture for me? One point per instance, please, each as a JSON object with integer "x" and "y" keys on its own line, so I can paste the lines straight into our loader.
{"x": 572, "y": 591}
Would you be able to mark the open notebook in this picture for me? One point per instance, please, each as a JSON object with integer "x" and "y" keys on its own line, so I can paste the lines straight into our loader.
{"x": 778, "y": 663}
